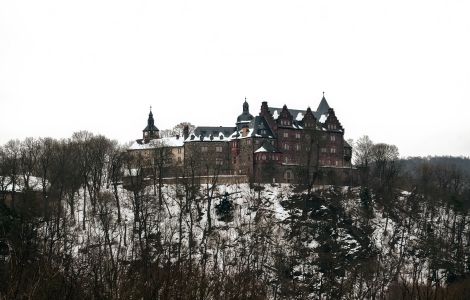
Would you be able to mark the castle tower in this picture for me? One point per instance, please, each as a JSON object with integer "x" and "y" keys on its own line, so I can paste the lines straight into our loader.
{"x": 150, "y": 132}
{"x": 245, "y": 118}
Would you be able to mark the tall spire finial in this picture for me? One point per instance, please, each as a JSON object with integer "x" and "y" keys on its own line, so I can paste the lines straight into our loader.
{"x": 323, "y": 94}
{"x": 151, "y": 106}
{"x": 245, "y": 107}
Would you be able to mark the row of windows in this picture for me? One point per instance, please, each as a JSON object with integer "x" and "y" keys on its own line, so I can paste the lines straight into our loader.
{"x": 335, "y": 163}
{"x": 286, "y": 135}
{"x": 205, "y": 149}
{"x": 325, "y": 150}
{"x": 265, "y": 157}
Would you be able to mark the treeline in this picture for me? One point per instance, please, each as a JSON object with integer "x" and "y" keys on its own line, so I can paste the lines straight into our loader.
{"x": 69, "y": 230}
{"x": 425, "y": 203}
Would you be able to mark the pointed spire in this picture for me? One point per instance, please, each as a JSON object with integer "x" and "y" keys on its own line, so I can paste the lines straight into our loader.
{"x": 151, "y": 131}
{"x": 150, "y": 121}
{"x": 323, "y": 106}
{"x": 246, "y": 107}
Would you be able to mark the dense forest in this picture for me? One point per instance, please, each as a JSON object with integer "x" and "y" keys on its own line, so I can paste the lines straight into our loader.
{"x": 79, "y": 219}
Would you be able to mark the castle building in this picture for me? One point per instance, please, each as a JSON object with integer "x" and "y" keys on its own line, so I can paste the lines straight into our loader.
{"x": 155, "y": 150}
{"x": 277, "y": 145}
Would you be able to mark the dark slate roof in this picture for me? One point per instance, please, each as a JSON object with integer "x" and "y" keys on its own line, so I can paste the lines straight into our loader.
{"x": 245, "y": 116}
{"x": 211, "y": 133}
{"x": 150, "y": 128}
{"x": 258, "y": 128}
{"x": 293, "y": 112}
{"x": 150, "y": 124}
{"x": 214, "y": 130}
{"x": 297, "y": 114}
{"x": 322, "y": 107}
{"x": 261, "y": 127}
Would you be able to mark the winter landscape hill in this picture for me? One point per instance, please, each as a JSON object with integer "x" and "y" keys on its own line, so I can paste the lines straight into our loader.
{"x": 70, "y": 230}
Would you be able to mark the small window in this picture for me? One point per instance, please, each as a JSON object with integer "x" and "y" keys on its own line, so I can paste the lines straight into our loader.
{"x": 218, "y": 149}
{"x": 285, "y": 134}
{"x": 333, "y": 150}
{"x": 179, "y": 150}
{"x": 297, "y": 147}
{"x": 286, "y": 147}
{"x": 297, "y": 135}
{"x": 332, "y": 138}
{"x": 204, "y": 149}
{"x": 219, "y": 161}
{"x": 323, "y": 150}
{"x": 263, "y": 157}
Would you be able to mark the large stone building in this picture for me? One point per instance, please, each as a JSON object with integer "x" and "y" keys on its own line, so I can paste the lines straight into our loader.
{"x": 277, "y": 145}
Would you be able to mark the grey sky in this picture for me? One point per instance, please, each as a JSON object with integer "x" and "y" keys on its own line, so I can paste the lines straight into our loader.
{"x": 397, "y": 71}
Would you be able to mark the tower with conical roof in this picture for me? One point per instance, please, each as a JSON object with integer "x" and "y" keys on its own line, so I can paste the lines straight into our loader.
{"x": 323, "y": 106}
{"x": 151, "y": 131}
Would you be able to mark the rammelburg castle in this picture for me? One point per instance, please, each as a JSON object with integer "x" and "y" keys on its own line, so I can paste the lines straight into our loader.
{"x": 277, "y": 145}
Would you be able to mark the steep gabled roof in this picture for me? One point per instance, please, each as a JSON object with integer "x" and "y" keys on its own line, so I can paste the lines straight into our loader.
{"x": 322, "y": 107}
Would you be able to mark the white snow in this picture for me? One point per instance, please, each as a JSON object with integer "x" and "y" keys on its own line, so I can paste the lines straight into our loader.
{"x": 171, "y": 141}
{"x": 261, "y": 149}
{"x": 275, "y": 115}
{"x": 35, "y": 183}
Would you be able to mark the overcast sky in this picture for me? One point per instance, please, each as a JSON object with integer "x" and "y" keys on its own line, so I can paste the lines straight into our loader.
{"x": 398, "y": 71}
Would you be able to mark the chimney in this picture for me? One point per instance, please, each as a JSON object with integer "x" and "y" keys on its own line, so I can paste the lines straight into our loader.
{"x": 264, "y": 108}
{"x": 185, "y": 131}
{"x": 177, "y": 136}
